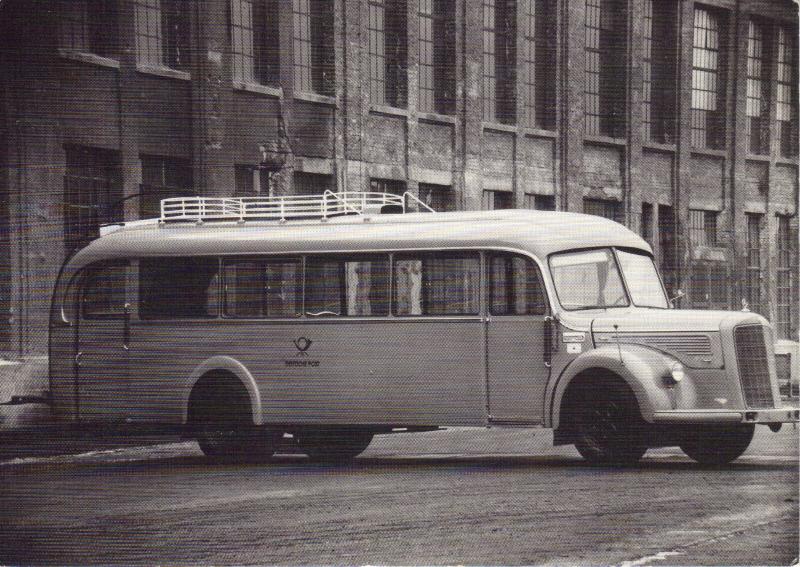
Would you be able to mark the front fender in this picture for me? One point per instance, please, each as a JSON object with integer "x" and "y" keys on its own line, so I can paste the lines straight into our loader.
{"x": 640, "y": 367}
{"x": 228, "y": 364}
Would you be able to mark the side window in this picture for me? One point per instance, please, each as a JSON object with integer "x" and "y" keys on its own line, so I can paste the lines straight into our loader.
{"x": 103, "y": 291}
{"x": 262, "y": 287}
{"x": 353, "y": 286}
{"x": 178, "y": 288}
{"x": 437, "y": 284}
{"x": 515, "y": 286}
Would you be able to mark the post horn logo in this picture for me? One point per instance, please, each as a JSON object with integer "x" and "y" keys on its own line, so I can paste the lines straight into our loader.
{"x": 302, "y": 345}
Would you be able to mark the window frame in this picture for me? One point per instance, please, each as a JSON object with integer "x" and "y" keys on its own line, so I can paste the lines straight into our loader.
{"x": 421, "y": 254}
{"x": 343, "y": 258}
{"x": 160, "y": 317}
{"x": 488, "y": 283}
{"x": 83, "y": 278}
{"x": 225, "y": 261}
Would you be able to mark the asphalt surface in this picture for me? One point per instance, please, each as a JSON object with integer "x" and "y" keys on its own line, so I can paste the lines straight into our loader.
{"x": 448, "y": 497}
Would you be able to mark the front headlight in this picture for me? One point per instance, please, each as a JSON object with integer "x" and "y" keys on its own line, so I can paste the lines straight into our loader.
{"x": 676, "y": 374}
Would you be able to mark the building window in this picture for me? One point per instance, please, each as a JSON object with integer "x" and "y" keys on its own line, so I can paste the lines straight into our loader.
{"x": 162, "y": 178}
{"x": 254, "y": 41}
{"x": 437, "y": 56}
{"x": 388, "y": 52}
{"x": 250, "y": 181}
{"x": 667, "y": 248}
{"x": 440, "y": 198}
{"x": 92, "y": 190}
{"x": 646, "y": 223}
{"x": 603, "y": 208}
{"x": 540, "y": 202}
{"x": 605, "y": 72}
{"x": 786, "y": 280}
{"x": 392, "y": 186}
{"x": 659, "y": 71}
{"x": 312, "y": 183}
{"x": 89, "y": 26}
{"x": 493, "y": 200}
{"x": 754, "y": 275}
{"x": 499, "y": 61}
{"x": 5, "y": 253}
{"x": 786, "y": 107}
{"x": 314, "y": 59}
{"x": 539, "y": 28}
{"x": 709, "y": 285}
{"x": 162, "y": 33}
{"x": 708, "y": 80}
{"x": 757, "y": 108}
{"x": 703, "y": 227}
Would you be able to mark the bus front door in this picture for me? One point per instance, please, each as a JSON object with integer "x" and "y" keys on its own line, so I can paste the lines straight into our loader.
{"x": 517, "y": 371}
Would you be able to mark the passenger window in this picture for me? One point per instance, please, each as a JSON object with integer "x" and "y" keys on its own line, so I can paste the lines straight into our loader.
{"x": 355, "y": 287}
{"x": 178, "y": 288}
{"x": 262, "y": 288}
{"x": 437, "y": 284}
{"x": 515, "y": 286}
{"x": 103, "y": 291}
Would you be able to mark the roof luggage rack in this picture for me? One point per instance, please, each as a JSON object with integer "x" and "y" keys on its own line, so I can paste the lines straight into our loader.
{"x": 329, "y": 204}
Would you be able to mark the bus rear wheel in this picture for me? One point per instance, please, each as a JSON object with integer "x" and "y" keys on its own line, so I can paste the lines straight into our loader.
{"x": 718, "y": 445}
{"x": 609, "y": 430}
{"x": 333, "y": 445}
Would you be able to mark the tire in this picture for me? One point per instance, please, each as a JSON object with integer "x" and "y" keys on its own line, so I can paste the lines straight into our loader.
{"x": 232, "y": 442}
{"x": 333, "y": 445}
{"x": 609, "y": 430}
{"x": 718, "y": 445}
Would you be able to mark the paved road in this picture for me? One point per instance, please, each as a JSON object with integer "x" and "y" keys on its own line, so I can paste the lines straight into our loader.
{"x": 455, "y": 497}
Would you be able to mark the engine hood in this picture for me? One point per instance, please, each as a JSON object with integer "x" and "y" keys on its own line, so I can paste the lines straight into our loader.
{"x": 641, "y": 320}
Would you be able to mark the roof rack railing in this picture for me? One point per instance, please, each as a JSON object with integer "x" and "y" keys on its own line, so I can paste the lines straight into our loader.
{"x": 242, "y": 209}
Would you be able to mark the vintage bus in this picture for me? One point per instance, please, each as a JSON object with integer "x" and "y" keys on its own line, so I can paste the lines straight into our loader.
{"x": 328, "y": 320}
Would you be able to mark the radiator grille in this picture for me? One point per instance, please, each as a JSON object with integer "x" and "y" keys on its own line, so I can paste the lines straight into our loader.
{"x": 751, "y": 354}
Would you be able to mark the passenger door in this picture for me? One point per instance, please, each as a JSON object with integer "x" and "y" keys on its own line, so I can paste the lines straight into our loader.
{"x": 517, "y": 306}
{"x": 101, "y": 357}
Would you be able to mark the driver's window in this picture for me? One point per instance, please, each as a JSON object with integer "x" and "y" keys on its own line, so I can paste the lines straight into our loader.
{"x": 103, "y": 291}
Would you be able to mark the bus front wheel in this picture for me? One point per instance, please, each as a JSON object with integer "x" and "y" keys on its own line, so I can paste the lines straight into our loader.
{"x": 333, "y": 445}
{"x": 609, "y": 429}
{"x": 718, "y": 445}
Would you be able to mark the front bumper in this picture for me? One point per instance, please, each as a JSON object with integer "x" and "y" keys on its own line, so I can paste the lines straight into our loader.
{"x": 785, "y": 414}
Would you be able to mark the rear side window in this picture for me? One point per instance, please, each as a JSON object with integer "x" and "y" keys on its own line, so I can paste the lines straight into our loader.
{"x": 178, "y": 288}
{"x": 515, "y": 286}
{"x": 437, "y": 284}
{"x": 103, "y": 291}
{"x": 262, "y": 287}
{"x": 352, "y": 286}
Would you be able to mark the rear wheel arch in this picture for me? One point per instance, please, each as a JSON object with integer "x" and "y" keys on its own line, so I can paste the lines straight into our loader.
{"x": 225, "y": 378}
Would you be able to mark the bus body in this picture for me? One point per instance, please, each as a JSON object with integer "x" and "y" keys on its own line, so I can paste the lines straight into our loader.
{"x": 335, "y": 328}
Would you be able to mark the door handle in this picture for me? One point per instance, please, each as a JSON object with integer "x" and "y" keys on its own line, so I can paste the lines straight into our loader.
{"x": 78, "y": 359}
{"x": 126, "y": 327}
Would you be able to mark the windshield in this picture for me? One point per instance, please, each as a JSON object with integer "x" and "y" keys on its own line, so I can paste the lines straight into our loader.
{"x": 587, "y": 280}
{"x": 642, "y": 279}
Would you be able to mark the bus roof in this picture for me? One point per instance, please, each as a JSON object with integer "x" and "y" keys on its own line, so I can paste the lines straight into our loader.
{"x": 538, "y": 232}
